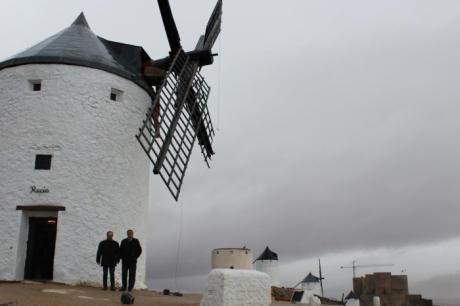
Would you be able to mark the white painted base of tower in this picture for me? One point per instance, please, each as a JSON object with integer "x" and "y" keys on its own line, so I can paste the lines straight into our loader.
{"x": 310, "y": 300}
{"x": 271, "y": 268}
{"x": 352, "y": 302}
{"x": 227, "y": 287}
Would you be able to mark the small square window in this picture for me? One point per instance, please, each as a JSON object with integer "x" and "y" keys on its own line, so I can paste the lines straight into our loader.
{"x": 43, "y": 162}
{"x": 115, "y": 94}
{"x": 35, "y": 85}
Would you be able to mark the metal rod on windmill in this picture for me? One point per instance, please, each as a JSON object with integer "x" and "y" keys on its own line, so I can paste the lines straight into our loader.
{"x": 179, "y": 113}
{"x": 321, "y": 277}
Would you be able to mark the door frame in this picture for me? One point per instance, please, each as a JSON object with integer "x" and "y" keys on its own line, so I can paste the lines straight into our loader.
{"x": 31, "y": 247}
{"x": 26, "y": 211}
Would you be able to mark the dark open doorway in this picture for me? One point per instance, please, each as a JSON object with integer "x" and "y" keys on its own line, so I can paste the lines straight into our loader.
{"x": 40, "y": 248}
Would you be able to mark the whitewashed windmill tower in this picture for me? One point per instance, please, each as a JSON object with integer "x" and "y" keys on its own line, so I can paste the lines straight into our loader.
{"x": 72, "y": 114}
{"x": 309, "y": 291}
{"x": 267, "y": 262}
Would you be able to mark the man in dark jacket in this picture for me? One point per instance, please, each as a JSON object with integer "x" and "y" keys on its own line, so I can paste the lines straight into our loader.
{"x": 130, "y": 250}
{"x": 109, "y": 251}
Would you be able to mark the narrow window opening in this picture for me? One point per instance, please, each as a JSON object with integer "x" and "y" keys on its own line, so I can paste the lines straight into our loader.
{"x": 115, "y": 94}
{"x": 43, "y": 162}
{"x": 36, "y": 85}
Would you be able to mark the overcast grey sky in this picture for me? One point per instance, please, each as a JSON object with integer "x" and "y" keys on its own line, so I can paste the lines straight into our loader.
{"x": 337, "y": 131}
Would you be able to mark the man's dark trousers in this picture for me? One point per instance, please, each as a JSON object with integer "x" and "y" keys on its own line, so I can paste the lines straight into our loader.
{"x": 110, "y": 269}
{"x": 128, "y": 269}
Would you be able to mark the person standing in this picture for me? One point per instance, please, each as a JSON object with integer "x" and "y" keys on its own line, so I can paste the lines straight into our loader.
{"x": 108, "y": 250}
{"x": 130, "y": 250}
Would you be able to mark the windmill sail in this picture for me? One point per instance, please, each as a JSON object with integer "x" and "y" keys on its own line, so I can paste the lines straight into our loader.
{"x": 178, "y": 114}
{"x": 213, "y": 26}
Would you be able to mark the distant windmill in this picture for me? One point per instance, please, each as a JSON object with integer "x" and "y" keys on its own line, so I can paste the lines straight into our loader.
{"x": 179, "y": 114}
{"x": 355, "y": 267}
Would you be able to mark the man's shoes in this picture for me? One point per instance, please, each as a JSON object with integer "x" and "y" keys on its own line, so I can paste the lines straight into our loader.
{"x": 122, "y": 289}
{"x": 105, "y": 288}
{"x": 112, "y": 289}
{"x": 130, "y": 289}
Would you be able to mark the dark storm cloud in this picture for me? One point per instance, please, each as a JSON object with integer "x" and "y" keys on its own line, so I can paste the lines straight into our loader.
{"x": 338, "y": 122}
{"x": 338, "y": 131}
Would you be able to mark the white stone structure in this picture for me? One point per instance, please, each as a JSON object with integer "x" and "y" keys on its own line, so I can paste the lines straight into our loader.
{"x": 99, "y": 175}
{"x": 228, "y": 287}
{"x": 232, "y": 258}
{"x": 267, "y": 262}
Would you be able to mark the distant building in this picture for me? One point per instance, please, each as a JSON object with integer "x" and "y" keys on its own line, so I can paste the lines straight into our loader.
{"x": 393, "y": 290}
{"x": 267, "y": 262}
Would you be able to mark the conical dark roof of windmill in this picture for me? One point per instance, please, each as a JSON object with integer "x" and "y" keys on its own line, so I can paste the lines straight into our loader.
{"x": 78, "y": 45}
{"x": 268, "y": 254}
{"x": 351, "y": 296}
{"x": 310, "y": 278}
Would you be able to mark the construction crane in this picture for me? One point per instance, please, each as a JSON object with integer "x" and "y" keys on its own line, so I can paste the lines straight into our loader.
{"x": 355, "y": 267}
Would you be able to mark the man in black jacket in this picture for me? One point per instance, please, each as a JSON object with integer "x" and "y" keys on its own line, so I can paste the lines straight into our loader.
{"x": 109, "y": 251}
{"x": 130, "y": 250}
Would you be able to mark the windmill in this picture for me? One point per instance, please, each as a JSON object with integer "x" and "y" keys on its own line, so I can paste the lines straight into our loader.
{"x": 179, "y": 114}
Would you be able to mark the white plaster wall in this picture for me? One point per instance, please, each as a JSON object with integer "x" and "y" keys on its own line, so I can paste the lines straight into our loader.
{"x": 99, "y": 171}
{"x": 310, "y": 300}
{"x": 238, "y": 258}
{"x": 271, "y": 268}
{"x": 376, "y": 301}
{"x": 352, "y": 302}
{"x": 237, "y": 288}
{"x": 310, "y": 290}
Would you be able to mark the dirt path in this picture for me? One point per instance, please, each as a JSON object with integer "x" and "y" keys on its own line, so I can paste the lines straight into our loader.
{"x": 38, "y": 294}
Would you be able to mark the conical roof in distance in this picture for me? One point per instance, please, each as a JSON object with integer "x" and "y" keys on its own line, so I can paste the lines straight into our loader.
{"x": 78, "y": 45}
{"x": 310, "y": 278}
{"x": 267, "y": 254}
{"x": 351, "y": 296}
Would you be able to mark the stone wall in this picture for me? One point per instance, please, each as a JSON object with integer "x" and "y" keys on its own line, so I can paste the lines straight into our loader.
{"x": 393, "y": 290}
